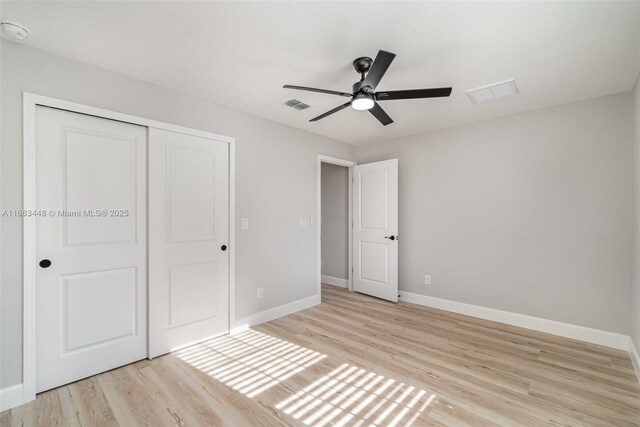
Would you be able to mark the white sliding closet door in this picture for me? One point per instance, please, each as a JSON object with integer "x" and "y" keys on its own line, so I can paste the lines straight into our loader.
{"x": 91, "y": 296}
{"x": 188, "y": 238}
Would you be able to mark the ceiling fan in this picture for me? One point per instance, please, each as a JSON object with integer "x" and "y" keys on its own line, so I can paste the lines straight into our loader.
{"x": 364, "y": 96}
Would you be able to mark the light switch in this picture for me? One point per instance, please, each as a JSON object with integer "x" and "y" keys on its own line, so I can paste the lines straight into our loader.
{"x": 245, "y": 223}
{"x": 304, "y": 221}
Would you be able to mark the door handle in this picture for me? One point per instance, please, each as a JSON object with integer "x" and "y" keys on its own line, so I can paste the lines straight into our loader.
{"x": 45, "y": 263}
{"x": 391, "y": 237}
{"x": 223, "y": 247}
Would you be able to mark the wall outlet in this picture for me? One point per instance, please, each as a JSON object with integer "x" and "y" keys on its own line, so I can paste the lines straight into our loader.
{"x": 245, "y": 223}
{"x": 260, "y": 293}
{"x": 427, "y": 280}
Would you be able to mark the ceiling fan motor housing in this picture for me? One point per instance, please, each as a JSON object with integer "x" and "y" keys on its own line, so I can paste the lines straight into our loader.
{"x": 359, "y": 88}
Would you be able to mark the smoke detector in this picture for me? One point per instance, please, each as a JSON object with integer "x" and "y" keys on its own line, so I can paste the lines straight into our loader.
{"x": 294, "y": 103}
{"x": 492, "y": 91}
{"x": 14, "y": 30}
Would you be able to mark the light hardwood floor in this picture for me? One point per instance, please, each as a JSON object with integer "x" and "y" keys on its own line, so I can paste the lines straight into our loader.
{"x": 356, "y": 360}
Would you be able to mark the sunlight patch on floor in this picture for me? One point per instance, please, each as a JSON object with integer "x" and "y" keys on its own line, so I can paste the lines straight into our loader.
{"x": 250, "y": 362}
{"x": 353, "y": 396}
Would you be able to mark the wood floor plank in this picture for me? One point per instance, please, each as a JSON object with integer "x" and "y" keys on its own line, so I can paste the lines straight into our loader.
{"x": 130, "y": 400}
{"x": 90, "y": 403}
{"x": 355, "y": 361}
{"x": 68, "y": 409}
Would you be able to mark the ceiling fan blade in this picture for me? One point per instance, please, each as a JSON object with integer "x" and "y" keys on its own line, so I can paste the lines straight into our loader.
{"x": 413, "y": 93}
{"x": 313, "y": 89}
{"x": 380, "y": 114}
{"x": 378, "y": 68}
{"x": 330, "y": 112}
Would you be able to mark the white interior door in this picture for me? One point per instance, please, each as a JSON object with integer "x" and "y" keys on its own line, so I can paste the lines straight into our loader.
{"x": 375, "y": 229}
{"x": 188, "y": 239}
{"x": 91, "y": 298}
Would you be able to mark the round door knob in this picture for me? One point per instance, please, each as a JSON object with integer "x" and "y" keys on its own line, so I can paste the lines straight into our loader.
{"x": 45, "y": 263}
{"x": 390, "y": 237}
{"x": 223, "y": 247}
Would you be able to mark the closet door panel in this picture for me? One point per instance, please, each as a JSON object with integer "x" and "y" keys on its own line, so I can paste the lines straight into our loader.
{"x": 91, "y": 296}
{"x": 188, "y": 239}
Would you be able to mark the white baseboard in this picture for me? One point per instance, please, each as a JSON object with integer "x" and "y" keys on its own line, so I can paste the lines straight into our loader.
{"x": 11, "y": 396}
{"x": 594, "y": 336}
{"x": 635, "y": 357}
{"x": 335, "y": 281}
{"x": 273, "y": 313}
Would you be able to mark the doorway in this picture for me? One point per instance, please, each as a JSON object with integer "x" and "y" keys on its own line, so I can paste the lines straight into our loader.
{"x": 372, "y": 226}
{"x": 335, "y": 225}
{"x": 334, "y": 222}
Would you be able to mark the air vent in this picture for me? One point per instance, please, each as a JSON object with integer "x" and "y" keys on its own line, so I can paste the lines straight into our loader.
{"x": 492, "y": 91}
{"x": 294, "y": 103}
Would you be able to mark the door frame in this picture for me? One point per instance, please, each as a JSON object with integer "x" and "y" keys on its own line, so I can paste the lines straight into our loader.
{"x": 30, "y": 102}
{"x": 349, "y": 165}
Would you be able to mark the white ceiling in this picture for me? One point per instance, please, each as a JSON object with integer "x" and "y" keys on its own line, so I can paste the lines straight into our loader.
{"x": 240, "y": 54}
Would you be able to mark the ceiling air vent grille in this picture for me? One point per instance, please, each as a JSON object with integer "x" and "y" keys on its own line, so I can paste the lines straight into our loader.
{"x": 492, "y": 91}
{"x": 294, "y": 103}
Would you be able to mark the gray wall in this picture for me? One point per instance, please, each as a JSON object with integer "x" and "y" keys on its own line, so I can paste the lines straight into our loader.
{"x": 276, "y": 181}
{"x": 528, "y": 213}
{"x": 635, "y": 299}
{"x": 335, "y": 221}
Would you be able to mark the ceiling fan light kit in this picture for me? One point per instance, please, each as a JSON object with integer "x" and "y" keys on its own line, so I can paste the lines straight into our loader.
{"x": 362, "y": 101}
{"x": 363, "y": 95}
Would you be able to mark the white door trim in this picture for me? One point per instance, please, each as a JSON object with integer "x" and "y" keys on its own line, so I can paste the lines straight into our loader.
{"x": 340, "y": 162}
{"x": 30, "y": 101}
